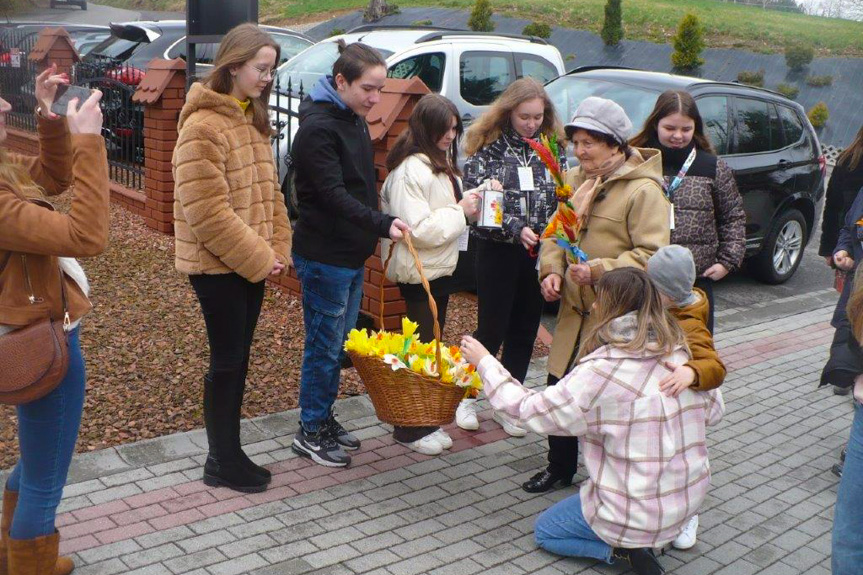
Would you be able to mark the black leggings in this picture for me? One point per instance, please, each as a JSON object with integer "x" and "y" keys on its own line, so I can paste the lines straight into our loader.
{"x": 231, "y": 306}
{"x": 562, "y": 451}
{"x": 418, "y": 310}
{"x": 509, "y": 302}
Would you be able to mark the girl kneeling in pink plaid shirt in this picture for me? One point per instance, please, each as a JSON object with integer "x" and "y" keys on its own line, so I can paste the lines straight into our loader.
{"x": 645, "y": 452}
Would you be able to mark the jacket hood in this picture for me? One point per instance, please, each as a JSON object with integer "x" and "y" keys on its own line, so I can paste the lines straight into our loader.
{"x": 643, "y": 163}
{"x": 324, "y": 91}
{"x": 201, "y": 97}
{"x": 698, "y": 310}
{"x": 622, "y": 330}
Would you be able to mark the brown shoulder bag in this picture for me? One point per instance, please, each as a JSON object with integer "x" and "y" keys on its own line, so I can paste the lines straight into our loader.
{"x": 35, "y": 358}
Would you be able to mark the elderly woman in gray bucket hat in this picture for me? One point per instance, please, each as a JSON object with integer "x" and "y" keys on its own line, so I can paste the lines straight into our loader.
{"x": 618, "y": 196}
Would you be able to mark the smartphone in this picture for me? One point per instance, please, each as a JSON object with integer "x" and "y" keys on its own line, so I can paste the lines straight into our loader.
{"x": 66, "y": 92}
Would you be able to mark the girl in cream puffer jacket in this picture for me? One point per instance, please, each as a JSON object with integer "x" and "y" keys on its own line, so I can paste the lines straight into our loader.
{"x": 423, "y": 189}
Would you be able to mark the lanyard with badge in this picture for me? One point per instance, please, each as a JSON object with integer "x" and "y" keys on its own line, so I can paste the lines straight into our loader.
{"x": 675, "y": 184}
{"x": 525, "y": 177}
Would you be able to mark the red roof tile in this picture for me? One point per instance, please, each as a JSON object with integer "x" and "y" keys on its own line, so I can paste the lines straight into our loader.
{"x": 159, "y": 73}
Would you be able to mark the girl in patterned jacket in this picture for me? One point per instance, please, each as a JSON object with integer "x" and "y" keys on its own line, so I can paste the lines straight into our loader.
{"x": 708, "y": 216}
{"x": 509, "y": 300}
{"x": 645, "y": 452}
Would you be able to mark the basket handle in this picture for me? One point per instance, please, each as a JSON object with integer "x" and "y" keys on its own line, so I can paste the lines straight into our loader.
{"x": 432, "y": 304}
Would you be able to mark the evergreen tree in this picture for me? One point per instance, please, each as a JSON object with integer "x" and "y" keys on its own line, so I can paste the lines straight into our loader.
{"x": 480, "y": 18}
{"x": 688, "y": 43}
{"x": 612, "y": 27}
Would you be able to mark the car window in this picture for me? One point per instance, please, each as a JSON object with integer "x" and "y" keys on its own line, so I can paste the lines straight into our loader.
{"x": 204, "y": 53}
{"x": 290, "y": 46}
{"x": 428, "y": 67}
{"x": 536, "y": 67}
{"x": 792, "y": 128}
{"x": 756, "y": 127}
{"x": 567, "y": 92}
{"x": 484, "y": 76}
{"x": 714, "y": 114}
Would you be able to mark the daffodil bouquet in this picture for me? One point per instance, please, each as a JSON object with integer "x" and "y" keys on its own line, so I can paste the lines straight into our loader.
{"x": 406, "y": 351}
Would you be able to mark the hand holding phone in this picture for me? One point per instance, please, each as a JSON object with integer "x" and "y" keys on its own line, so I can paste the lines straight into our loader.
{"x": 86, "y": 119}
{"x": 66, "y": 93}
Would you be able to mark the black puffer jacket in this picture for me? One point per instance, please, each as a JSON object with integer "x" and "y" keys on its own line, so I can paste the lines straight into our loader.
{"x": 841, "y": 192}
{"x": 708, "y": 210}
{"x": 500, "y": 160}
{"x": 332, "y": 155}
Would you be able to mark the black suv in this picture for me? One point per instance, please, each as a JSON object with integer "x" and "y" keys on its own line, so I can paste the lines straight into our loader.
{"x": 765, "y": 138}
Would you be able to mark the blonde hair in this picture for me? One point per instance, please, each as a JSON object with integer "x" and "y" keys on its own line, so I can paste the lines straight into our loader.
{"x": 16, "y": 177}
{"x": 490, "y": 125}
{"x": 624, "y": 290}
{"x": 240, "y": 45}
{"x": 851, "y": 156}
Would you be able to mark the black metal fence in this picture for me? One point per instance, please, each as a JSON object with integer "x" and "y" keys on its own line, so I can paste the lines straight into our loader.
{"x": 123, "y": 119}
{"x": 284, "y": 106}
{"x": 18, "y": 77}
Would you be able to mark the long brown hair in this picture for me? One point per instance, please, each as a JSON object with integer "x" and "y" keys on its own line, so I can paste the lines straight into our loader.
{"x": 429, "y": 122}
{"x": 490, "y": 125}
{"x": 624, "y": 290}
{"x": 854, "y": 310}
{"x": 851, "y": 156}
{"x": 239, "y": 46}
{"x": 673, "y": 102}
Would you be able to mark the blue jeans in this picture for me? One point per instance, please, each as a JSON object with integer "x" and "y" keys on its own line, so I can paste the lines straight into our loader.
{"x": 331, "y": 303}
{"x": 47, "y": 432}
{"x": 848, "y": 517}
{"x": 561, "y": 529}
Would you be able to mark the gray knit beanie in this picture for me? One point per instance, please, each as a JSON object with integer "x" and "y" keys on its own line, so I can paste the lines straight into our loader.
{"x": 672, "y": 269}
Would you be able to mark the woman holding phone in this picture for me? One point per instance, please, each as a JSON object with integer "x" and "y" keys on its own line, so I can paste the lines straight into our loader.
{"x": 38, "y": 247}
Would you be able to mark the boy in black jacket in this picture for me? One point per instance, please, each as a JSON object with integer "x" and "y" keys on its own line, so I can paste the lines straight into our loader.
{"x": 338, "y": 229}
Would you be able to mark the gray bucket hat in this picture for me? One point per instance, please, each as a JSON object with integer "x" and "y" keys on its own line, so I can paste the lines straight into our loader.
{"x": 601, "y": 115}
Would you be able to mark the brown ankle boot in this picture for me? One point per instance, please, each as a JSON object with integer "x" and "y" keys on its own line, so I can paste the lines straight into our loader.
{"x": 63, "y": 565}
{"x": 34, "y": 556}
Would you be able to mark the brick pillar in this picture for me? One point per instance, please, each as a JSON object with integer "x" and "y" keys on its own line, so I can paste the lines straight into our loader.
{"x": 54, "y": 46}
{"x": 162, "y": 91}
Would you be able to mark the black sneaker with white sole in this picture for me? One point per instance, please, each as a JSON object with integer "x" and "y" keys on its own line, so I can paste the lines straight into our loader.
{"x": 321, "y": 447}
{"x": 342, "y": 436}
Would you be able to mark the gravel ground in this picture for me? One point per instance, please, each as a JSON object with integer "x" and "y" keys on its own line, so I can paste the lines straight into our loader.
{"x": 146, "y": 347}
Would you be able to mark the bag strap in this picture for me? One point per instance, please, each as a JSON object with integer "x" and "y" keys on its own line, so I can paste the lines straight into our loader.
{"x": 432, "y": 304}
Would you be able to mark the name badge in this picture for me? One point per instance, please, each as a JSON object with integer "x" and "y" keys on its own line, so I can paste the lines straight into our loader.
{"x": 463, "y": 240}
{"x": 671, "y": 216}
{"x": 525, "y": 179}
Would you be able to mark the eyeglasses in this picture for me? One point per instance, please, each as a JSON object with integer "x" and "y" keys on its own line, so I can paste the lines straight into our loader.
{"x": 266, "y": 74}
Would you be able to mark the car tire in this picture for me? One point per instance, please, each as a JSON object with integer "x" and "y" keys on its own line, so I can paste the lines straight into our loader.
{"x": 782, "y": 250}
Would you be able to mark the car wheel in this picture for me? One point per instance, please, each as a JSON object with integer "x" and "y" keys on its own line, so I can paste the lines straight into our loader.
{"x": 289, "y": 190}
{"x": 782, "y": 250}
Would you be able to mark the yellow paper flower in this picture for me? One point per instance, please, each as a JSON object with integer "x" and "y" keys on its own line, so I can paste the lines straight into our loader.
{"x": 409, "y": 327}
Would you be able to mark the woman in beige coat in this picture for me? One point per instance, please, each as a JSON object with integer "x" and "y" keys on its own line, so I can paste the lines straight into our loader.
{"x": 626, "y": 219}
{"x": 424, "y": 190}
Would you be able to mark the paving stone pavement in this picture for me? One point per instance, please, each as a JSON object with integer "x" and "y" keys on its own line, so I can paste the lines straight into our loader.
{"x": 141, "y": 509}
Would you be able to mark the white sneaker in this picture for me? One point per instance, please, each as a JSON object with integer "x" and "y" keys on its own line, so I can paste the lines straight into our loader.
{"x": 427, "y": 445}
{"x": 511, "y": 429}
{"x": 443, "y": 438}
{"x": 686, "y": 539}
{"x": 465, "y": 415}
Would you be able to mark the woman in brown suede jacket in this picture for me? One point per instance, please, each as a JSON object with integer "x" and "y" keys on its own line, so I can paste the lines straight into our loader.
{"x": 37, "y": 248}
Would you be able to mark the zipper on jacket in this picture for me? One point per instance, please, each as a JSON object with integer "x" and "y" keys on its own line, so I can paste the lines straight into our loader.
{"x": 32, "y": 297}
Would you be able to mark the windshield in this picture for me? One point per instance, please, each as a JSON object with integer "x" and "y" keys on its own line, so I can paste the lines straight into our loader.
{"x": 567, "y": 92}
{"x": 308, "y": 66}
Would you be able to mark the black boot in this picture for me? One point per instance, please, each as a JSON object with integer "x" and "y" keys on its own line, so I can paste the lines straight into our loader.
{"x": 224, "y": 467}
{"x": 545, "y": 480}
{"x": 643, "y": 561}
{"x": 248, "y": 463}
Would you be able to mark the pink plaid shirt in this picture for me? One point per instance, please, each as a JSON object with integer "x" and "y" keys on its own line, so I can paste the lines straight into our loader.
{"x": 645, "y": 452}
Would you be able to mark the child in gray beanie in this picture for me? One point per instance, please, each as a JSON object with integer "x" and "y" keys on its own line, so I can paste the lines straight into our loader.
{"x": 672, "y": 270}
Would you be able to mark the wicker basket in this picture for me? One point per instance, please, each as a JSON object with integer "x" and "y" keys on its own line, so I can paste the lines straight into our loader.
{"x": 404, "y": 397}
